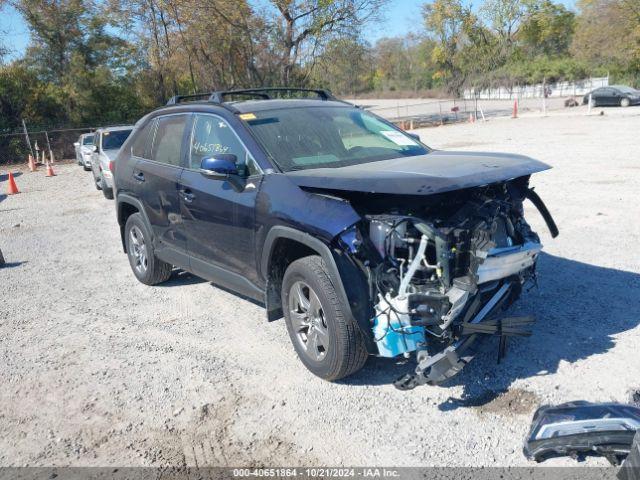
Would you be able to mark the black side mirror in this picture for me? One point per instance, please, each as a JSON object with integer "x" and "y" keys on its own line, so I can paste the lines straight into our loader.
{"x": 415, "y": 136}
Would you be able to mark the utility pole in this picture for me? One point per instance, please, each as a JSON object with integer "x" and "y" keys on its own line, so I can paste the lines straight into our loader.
{"x": 26, "y": 136}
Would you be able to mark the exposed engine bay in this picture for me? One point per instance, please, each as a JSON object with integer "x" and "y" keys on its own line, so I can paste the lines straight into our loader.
{"x": 445, "y": 268}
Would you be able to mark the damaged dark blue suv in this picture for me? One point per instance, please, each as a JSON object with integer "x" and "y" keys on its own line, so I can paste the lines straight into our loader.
{"x": 367, "y": 241}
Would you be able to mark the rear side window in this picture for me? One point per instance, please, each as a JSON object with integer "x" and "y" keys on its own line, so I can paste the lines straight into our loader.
{"x": 167, "y": 142}
{"x": 88, "y": 140}
{"x": 113, "y": 139}
{"x": 142, "y": 143}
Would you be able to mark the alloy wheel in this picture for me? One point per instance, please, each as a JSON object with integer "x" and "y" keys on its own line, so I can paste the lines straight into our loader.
{"x": 308, "y": 321}
{"x": 138, "y": 250}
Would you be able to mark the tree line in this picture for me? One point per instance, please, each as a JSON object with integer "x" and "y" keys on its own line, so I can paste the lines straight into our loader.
{"x": 94, "y": 62}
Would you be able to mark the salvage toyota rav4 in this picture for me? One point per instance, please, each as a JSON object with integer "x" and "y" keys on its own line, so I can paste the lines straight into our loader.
{"x": 367, "y": 241}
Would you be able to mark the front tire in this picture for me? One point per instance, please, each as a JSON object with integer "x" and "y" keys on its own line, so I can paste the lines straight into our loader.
{"x": 327, "y": 340}
{"x": 625, "y": 102}
{"x": 147, "y": 268}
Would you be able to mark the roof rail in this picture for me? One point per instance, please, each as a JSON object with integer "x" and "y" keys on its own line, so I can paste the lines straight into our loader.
{"x": 180, "y": 98}
{"x": 265, "y": 93}
{"x": 262, "y": 93}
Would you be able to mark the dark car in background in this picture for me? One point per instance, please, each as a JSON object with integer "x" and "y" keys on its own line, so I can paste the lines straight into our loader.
{"x": 613, "y": 96}
{"x": 367, "y": 241}
{"x": 107, "y": 143}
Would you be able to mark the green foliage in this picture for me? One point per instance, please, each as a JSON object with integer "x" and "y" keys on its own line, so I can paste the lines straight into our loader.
{"x": 608, "y": 36}
{"x": 548, "y": 30}
{"x": 347, "y": 65}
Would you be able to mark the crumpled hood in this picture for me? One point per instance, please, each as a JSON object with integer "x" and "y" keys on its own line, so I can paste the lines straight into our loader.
{"x": 435, "y": 172}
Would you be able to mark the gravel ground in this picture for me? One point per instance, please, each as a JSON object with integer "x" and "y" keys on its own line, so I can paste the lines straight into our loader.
{"x": 98, "y": 369}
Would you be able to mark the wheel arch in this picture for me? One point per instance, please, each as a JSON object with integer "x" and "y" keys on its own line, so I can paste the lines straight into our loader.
{"x": 284, "y": 245}
{"x": 127, "y": 206}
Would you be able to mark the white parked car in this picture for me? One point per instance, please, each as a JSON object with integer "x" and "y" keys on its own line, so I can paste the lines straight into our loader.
{"x": 107, "y": 143}
{"x": 84, "y": 148}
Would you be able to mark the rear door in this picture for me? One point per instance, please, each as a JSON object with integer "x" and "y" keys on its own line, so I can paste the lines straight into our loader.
{"x": 606, "y": 97}
{"x": 219, "y": 221}
{"x": 159, "y": 179}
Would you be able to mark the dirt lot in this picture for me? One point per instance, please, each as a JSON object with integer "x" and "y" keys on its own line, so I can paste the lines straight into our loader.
{"x": 98, "y": 369}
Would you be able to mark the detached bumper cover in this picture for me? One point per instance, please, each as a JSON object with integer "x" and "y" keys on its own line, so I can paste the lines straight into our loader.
{"x": 582, "y": 428}
{"x": 438, "y": 368}
{"x": 631, "y": 467}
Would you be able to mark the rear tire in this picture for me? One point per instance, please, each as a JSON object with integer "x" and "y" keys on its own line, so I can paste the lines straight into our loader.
{"x": 147, "y": 268}
{"x": 327, "y": 340}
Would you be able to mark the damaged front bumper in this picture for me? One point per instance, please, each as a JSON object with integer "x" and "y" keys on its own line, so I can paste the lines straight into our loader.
{"x": 507, "y": 261}
{"x": 438, "y": 274}
{"x": 435, "y": 369}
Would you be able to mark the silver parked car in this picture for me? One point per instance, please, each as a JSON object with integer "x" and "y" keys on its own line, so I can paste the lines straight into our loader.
{"x": 84, "y": 148}
{"x": 107, "y": 143}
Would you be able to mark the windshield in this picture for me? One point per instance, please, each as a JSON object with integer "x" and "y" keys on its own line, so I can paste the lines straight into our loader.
{"x": 627, "y": 90}
{"x": 114, "y": 139}
{"x": 88, "y": 140}
{"x": 324, "y": 137}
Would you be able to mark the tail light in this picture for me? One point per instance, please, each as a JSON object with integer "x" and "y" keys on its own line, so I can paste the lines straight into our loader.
{"x": 112, "y": 166}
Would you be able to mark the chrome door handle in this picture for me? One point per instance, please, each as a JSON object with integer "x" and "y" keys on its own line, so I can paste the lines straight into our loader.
{"x": 187, "y": 195}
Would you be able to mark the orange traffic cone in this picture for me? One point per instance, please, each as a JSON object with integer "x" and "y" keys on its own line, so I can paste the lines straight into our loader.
{"x": 471, "y": 118}
{"x": 515, "y": 109}
{"x": 50, "y": 171}
{"x": 32, "y": 163}
{"x": 13, "y": 188}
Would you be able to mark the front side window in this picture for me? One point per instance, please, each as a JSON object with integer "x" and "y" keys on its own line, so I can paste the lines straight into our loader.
{"x": 113, "y": 140}
{"x": 167, "y": 143}
{"x": 212, "y": 135}
{"x": 328, "y": 137}
{"x": 627, "y": 90}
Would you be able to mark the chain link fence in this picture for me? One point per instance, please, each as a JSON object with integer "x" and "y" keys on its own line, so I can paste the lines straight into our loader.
{"x": 409, "y": 115}
{"x": 16, "y": 146}
{"x": 415, "y": 113}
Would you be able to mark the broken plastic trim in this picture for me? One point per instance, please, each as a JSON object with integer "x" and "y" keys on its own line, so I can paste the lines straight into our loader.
{"x": 542, "y": 208}
{"x": 631, "y": 467}
{"x": 578, "y": 429}
{"x": 446, "y": 364}
{"x": 506, "y": 261}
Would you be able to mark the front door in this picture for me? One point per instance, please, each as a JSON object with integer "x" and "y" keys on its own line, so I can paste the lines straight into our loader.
{"x": 160, "y": 178}
{"x": 219, "y": 221}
